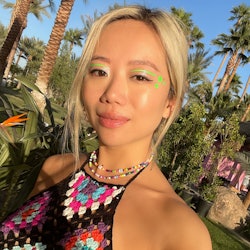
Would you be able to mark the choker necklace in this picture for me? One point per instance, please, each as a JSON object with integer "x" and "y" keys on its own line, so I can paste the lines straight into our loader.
{"x": 115, "y": 173}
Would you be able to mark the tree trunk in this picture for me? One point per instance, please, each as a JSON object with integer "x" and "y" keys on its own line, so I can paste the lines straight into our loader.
{"x": 244, "y": 117}
{"x": 245, "y": 90}
{"x": 219, "y": 69}
{"x": 53, "y": 45}
{"x": 247, "y": 200}
{"x": 232, "y": 74}
{"x": 227, "y": 72}
{"x": 20, "y": 15}
{"x": 19, "y": 57}
{"x": 13, "y": 52}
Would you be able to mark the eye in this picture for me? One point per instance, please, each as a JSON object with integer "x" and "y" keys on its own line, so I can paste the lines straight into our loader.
{"x": 141, "y": 78}
{"x": 98, "y": 73}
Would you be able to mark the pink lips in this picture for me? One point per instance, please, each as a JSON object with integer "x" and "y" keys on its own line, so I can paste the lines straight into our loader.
{"x": 111, "y": 120}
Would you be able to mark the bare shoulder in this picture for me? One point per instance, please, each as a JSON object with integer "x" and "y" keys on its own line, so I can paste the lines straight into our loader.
{"x": 187, "y": 229}
{"x": 160, "y": 218}
{"x": 55, "y": 169}
{"x": 176, "y": 221}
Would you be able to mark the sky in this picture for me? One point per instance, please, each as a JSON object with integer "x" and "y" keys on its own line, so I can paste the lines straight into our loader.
{"x": 211, "y": 16}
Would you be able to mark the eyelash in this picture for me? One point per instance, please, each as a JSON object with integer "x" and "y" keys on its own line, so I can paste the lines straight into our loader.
{"x": 102, "y": 73}
{"x": 98, "y": 72}
{"x": 141, "y": 78}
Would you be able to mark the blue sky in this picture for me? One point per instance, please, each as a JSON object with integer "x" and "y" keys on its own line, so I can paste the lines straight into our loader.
{"x": 211, "y": 16}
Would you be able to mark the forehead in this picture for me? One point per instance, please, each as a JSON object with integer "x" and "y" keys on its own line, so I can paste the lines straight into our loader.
{"x": 130, "y": 38}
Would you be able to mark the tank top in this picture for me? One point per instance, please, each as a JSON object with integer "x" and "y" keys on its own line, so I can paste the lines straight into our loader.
{"x": 77, "y": 213}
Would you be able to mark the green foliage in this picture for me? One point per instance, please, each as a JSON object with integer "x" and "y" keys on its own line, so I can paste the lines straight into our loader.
{"x": 199, "y": 132}
{"x": 184, "y": 147}
{"x": 194, "y": 34}
{"x": 223, "y": 238}
{"x": 208, "y": 190}
{"x": 15, "y": 69}
{"x": 197, "y": 62}
{"x": 23, "y": 146}
{"x": 228, "y": 142}
{"x": 33, "y": 50}
{"x": 63, "y": 75}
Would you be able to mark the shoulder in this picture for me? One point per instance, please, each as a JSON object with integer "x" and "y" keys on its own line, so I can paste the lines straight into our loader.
{"x": 168, "y": 217}
{"x": 184, "y": 224}
{"x": 55, "y": 169}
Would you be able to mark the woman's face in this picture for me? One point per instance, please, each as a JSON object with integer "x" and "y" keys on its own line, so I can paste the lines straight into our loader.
{"x": 125, "y": 92}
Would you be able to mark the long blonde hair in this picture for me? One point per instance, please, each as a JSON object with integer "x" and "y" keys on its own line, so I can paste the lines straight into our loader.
{"x": 170, "y": 31}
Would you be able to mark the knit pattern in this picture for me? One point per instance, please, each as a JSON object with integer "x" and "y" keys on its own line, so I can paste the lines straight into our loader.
{"x": 33, "y": 214}
{"x": 77, "y": 213}
{"x": 92, "y": 238}
{"x": 86, "y": 193}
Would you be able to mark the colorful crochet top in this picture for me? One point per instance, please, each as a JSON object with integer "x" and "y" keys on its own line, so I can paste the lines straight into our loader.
{"x": 77, "y": 213}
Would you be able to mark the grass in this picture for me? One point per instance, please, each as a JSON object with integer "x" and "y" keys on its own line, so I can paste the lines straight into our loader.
{"x": 223, "y": 239}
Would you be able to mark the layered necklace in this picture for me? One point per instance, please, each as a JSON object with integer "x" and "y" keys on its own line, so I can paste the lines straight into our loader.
{"x": 115, "y": 173}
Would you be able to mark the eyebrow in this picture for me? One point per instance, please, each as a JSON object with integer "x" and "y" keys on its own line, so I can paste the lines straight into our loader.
{"x": 143, "y": 62}
{"x": 132, "y": 62}
{"x": 101, "y": 58}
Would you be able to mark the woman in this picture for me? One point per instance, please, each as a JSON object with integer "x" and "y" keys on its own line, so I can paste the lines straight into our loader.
{"x": 129, "y": 87}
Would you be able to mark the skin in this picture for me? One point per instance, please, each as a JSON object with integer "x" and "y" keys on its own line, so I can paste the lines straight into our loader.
{"x": 120, "y": 101}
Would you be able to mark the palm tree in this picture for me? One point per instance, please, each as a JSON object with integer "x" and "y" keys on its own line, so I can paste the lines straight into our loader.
{"x": 235, "y": 86}
{"x": 197, "y": 62}
{"x": 244, "y": 117}
{"x": 242, "y": 59}
{"x": 38, "y": 10}
{"x": 194, "y": 33}
{"x": 23, "y": 45}
{"x": 87, "y": 23}
{"x": 51, "y": 50}
{"x": 245, "y": 90}
{"x": 229, "y": 44}
{"x": 34, "y": 55}
{"x": 224, "y": 51}
{"x": 74, "y": 37}
{"x": 241, "y": 14}
{"x": 19, "y": 17}
{"x": 237, "y": 42}
{"x": 3, "y": 34}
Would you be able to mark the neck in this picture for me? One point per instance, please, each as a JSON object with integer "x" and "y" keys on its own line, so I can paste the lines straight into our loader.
{"x": 122, "y": 157}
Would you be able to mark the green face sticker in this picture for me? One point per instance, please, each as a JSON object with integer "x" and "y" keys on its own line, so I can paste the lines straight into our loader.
{"x": 159, "y": 78}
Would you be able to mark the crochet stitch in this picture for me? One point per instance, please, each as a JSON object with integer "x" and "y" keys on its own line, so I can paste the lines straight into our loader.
{"x": 76, "y": 213}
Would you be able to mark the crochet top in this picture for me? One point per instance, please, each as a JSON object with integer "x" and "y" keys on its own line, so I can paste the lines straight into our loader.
{"x": 76, "y": 213}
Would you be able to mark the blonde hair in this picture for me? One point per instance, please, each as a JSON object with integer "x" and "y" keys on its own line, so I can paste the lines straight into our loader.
{"x": 170, "y": 31}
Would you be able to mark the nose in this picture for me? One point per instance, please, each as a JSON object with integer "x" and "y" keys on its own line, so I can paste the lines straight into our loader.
{"x": 116, "y": 90}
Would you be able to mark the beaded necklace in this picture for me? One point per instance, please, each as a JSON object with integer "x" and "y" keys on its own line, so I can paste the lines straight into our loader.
{"x": 115, "y": 173}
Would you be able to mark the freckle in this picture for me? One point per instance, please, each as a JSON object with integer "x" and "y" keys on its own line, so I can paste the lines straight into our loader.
{"x": 164, "y": 83}
{"x": 156, "y": 85}
{"x": 160, "y": 78}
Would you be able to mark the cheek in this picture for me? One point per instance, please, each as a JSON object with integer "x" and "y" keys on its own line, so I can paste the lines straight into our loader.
{"x": 87, "y": 99}
{"x": 152, "y": 102}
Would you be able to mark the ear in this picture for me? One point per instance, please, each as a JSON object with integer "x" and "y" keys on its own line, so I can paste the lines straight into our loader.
{"x": 168, "y": 108}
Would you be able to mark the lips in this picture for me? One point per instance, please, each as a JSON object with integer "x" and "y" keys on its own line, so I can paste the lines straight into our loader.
{"x": 112, "y": 120}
